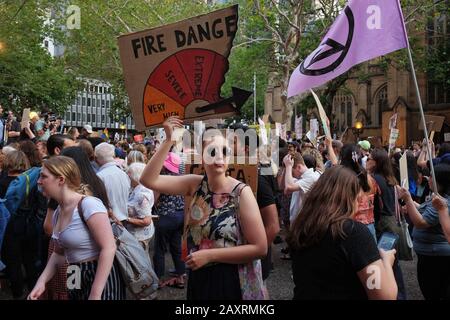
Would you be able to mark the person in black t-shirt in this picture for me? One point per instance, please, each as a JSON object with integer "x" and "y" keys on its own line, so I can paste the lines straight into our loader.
{"x": 265, "y": 196}
{"x": 334, "y": 257}
{"x": 12, "y": 128}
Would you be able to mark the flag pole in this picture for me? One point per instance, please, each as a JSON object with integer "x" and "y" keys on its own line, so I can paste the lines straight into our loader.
{"x": 425, "y": 130}
{"x": 419, "y": 99}
{"x": 254, "y": 97}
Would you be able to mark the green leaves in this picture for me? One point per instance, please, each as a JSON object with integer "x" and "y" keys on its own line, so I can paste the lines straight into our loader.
{"x": 30, "y": 78}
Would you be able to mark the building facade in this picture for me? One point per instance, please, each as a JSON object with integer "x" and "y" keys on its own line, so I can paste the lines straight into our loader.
{"x": 93, "y": 106}
{"x": 375, "y": 92}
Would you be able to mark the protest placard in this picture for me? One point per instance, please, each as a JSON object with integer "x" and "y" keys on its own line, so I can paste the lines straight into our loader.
{"x": 179, "y": 69}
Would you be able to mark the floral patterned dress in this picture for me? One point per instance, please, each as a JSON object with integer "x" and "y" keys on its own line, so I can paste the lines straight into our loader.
{"x": 212, "y": 222}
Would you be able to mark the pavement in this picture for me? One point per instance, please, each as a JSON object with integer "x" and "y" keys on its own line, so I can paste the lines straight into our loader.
{"x": 279, "y": 284}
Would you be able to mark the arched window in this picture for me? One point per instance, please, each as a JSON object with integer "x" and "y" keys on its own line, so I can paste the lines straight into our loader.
{"x": 343, "y": 110}
{"x": 381, "y": 104}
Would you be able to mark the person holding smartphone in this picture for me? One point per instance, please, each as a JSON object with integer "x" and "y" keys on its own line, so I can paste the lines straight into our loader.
{"x": 334, "y": 256}
{"x": 430, "y": 243}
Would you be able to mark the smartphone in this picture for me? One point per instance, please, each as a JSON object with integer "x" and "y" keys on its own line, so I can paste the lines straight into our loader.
{"x": 387, "y": 241}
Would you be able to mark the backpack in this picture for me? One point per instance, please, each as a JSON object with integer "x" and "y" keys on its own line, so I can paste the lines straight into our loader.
{"x": 14, "y": 198}
{"x": 133, "y": 261}
{"x": 4, "y": 218}
{"x": 15, "y": 193}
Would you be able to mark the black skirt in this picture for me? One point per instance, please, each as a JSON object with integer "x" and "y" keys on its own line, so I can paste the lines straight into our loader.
{"x": 216, "y": 282}
{"x": 114, "y": 287}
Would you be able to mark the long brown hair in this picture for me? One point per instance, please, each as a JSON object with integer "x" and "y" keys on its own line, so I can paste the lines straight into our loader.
{"x": 383, "y": 166}
{"x": 330, "y": 202}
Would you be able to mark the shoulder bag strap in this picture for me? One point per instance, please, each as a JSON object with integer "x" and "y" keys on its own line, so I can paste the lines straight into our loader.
{"x": 80, "y": 212}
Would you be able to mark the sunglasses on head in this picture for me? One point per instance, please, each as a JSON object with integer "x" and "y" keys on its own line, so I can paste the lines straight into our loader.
{"x": 213, "y": 151}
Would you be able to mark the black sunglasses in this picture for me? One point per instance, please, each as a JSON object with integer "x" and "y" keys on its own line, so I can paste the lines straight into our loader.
{"x": 213, "y": 151}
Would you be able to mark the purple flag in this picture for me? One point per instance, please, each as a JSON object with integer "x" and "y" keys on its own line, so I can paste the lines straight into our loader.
{"x": 364, "y": 30}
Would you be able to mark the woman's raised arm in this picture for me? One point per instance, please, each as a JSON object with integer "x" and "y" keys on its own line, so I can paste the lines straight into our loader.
{"x": 151, "y": 177}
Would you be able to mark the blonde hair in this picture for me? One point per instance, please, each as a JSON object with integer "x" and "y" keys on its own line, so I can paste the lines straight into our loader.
{"x": 140, "y": 147}
{"x": 62, "y": 166}
{"x": 135, "y": 156}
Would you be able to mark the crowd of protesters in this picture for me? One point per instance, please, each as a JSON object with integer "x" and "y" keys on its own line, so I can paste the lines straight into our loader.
{"x": 333, "y": 201}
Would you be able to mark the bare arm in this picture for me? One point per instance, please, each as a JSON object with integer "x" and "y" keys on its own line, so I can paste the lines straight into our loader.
{"x": 269, "y": 216}
{"x": 55, "y": 260}
{"x": 378, "y": 279}
{"x": 151, "y": 177}
{"x": 143, "y": 210}
{"x": 280, "y": 178}
{"x": 331, "y": 155}
{"x": 141, "y": 222}
{"x": 253, "y": 231}
{"x": 422, "y": 159}
{"x": 440, "y": 204}
{"x": 423, "y": 156}
{"x": 444, "y": 220}
{"x": 48, "y": 225}
{"x": 289, "y": 183}
{"x": 411, "y": 209}
{"x": 100, "y": 228}
{"x": 12, "y": 134}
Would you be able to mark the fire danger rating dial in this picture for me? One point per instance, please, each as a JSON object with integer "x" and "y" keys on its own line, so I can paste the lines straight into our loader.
{"x": 191, "y": 77}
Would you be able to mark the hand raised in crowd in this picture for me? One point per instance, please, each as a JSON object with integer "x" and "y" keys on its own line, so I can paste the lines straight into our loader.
{"x": 170, "y": 125}
{"x": 439, "y": 203}
{"x": 388, "y": 256}
{"x": 403, "y": 193}
{"x": 328, "y": 141}
{"x": 288, "y": 161}
{"x": 197, "y": 259}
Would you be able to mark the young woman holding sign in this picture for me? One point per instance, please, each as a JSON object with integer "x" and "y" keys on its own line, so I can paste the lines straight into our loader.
{"x": 223, "y": 234}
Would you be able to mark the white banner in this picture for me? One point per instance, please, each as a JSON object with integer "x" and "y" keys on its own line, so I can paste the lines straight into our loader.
{"x": 299, "y": 127}
{"x": 262, "y": 131}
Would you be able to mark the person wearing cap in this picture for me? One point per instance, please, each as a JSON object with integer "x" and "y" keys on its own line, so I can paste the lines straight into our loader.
{"x": 86, "y": 132}
{"x": 169, "y": 227}
{"x": 365, "y": 151}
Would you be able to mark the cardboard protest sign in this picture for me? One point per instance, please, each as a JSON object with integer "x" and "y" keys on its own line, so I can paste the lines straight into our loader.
{"x": 393, "y": 122}
{"x": 434, "y": 123}
{"x": 178, "y": 69}
{"x": 25, "y": 118}
{"x": 393, "y": 138}
{"x": 263, "y": 131}
{"x": 299, "y": 127}
{"x": 313, "y": 130}
{"x": 323, "y": 116}
{"x": 283, "y": 132}
{"x": 139, "y": 138}
{"x": 446, "y": 137}
{"x": 277, "y": 129}
{"x": 404, "y": 182}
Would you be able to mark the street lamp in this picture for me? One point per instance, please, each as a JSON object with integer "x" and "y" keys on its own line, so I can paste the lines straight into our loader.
{"x": 358, "y": 129}
{"x": 2, "y": 46}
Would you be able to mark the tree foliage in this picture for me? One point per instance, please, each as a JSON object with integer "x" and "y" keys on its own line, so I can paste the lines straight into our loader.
{"x": 30, "y": 77}
{"x": 93, "y": 49}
